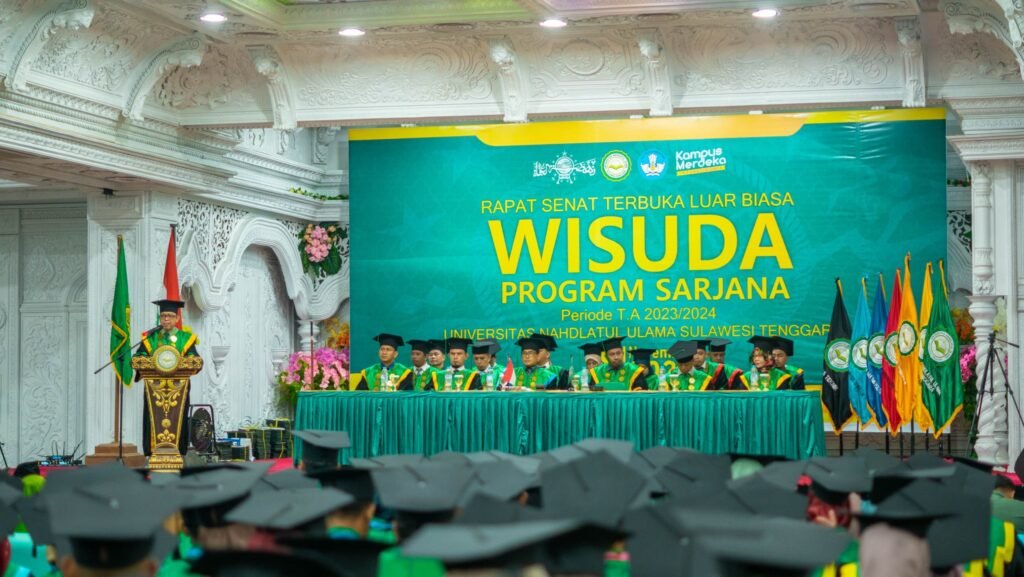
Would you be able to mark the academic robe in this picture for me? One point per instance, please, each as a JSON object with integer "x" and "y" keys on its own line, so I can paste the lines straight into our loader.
{"x": 695, "y": 380}
{"x": 423, "y": 381}
{"x": 562, "y": 382}
{"x": 371, "y": 377}
{"x": 724, "y": 377}
{"x": 796, "y": 377}
{"x": 535, "y": 378}
{"x": 774, "y": 380}
{"x": 610, "y": 379}
{"x": 439, "y": 376}
{"x": 185, "y": 343}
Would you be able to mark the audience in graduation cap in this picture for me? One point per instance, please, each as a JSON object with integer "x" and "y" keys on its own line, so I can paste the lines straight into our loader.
{"x": 597, "y": 507}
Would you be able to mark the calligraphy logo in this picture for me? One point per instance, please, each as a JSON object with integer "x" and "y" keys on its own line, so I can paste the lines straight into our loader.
{"x": 565, "y": 168}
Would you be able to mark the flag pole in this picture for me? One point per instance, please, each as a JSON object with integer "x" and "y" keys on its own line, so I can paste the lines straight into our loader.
{"x": 912, "y": 433}
{"x": 119, "y": 400}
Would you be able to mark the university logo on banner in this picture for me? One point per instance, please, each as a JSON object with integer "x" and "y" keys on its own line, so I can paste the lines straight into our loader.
{"x": 616, "y": 165}
{"x": 652, "y": 163}
{"x": 940, "y": 347}
{"x": 907, "y": 338}
{"x": 876, "y": 349}
{"x": 837, "y": 355}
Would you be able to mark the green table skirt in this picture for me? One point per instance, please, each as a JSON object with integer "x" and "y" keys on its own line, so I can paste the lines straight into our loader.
{"x": 785, "y": 423}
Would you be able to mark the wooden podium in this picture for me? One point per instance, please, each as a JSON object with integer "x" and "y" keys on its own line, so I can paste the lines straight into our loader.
{"x": 166, "y": 374}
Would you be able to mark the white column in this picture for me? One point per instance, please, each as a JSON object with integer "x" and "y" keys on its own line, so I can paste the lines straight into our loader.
{"x": 991, "y": 444}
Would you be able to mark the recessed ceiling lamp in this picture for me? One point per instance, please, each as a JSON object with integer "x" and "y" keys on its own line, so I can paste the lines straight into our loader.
{"x": 213, "y": 17}
{"x": 351, "y": 32}
{"x": 553, "y": 23}
{"x": 765, "y": 13}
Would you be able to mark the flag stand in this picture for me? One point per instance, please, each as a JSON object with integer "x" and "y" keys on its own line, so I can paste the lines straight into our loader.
{"x": 840, "y": 442}
{"x": 856, "y": 437}
{"x": 901, "y": 443}
{"x": 886, "y": 433}
{"x": 912, "y": 433}
{"x": 927, "y": 441}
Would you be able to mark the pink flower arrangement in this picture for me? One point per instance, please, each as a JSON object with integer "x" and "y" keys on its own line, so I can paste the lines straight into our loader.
{"x": 318, "y": 242}
{"x": 968, "y": 359}
{"x": 319, "y": 247}
{"x": 328, "y": 371}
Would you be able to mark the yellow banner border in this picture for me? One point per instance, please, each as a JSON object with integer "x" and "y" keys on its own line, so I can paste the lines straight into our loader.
{"x": 647, "y": 129}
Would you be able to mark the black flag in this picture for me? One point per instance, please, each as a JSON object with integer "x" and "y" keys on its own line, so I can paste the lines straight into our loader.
{"x": 835, "y": 388}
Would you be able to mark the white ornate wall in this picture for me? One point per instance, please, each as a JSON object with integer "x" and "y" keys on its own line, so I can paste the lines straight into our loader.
{"x": 43, "y": 329}
{"x": 175, "y": 116}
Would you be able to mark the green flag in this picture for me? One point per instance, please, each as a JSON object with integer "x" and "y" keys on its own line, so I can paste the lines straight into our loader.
{"x": 121, "y": 322}
{"x": 941, "y": 389}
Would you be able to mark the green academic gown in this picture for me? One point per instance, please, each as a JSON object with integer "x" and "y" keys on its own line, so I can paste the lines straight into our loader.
{"x": 615, "y": 379}
{"x": 694, "y": 381}
{"x": 562, "y": 375}
{"x": 775, "y": 380}
{"x": 423, "y": 381}
{"x": 371, "y": 377}
{"x": 477, "y": 380}
{"x": 535, "y": 378}
{"x": 392, "y": 563}
{"x": 185, "y": 343}
{"x": 796, "y": 377}
{"x": 725, "y": 377}
{"x": 438, "y": 378}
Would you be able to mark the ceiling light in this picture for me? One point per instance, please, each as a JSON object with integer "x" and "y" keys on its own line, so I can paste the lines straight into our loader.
{"x": 765, "y": 13}
{"x": 351, "y": 32}
{"x": 213, "y": 17}
{"x": 553, "y": 23}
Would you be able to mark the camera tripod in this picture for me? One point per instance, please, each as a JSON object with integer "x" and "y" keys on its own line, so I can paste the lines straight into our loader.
{"x": 988, "y": 378}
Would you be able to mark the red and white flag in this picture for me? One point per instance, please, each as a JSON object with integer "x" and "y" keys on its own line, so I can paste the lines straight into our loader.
{"x": 508, "y": 378}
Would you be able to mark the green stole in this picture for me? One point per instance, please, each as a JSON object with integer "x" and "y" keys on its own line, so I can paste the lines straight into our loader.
{"x": 420, "y": 381}
{"x": 727, "y": 372}
{"x": 371, "y": 375}
{"x": 695, "y": 381}
{"x": 535, "y": 378}
{"x": 776, "y": 379}
{"x": 615, "y": 380}
{"x": 439, "y": 376}
{"x": 182, "y": 341}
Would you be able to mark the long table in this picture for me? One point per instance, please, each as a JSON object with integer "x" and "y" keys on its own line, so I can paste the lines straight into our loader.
{"x": 784, "y": 423}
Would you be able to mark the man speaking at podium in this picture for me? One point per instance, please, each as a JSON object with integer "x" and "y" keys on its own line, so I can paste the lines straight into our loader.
{"x": 168, "y": 333}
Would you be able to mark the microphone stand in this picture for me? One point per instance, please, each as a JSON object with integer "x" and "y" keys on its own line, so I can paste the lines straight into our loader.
{"x": 120, "y": 394}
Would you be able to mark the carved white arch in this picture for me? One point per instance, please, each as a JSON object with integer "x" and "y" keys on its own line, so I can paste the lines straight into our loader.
{"x": 210, "y": 287}
{"x": 184, "y": 52}
{"x": 268, "y": 63}
{"x": 968, "y": 16}
{"x": 56, "y": 15}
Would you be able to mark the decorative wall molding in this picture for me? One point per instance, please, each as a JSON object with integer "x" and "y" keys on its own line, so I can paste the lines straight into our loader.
{"x": 511, "y": 78}
{"x": 658, "y": 74}
{"x": 268, "y": 64}
{"x": 183, "y": 52}
{"x": 967, "y": 16}
{"x": 56, "y": 15}
{"x": 211, "y": 282}
{"x": 908, "y": 31}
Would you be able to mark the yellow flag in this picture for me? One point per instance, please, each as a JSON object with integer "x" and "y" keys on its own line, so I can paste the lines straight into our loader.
{"x": 921, "y": 415}
{"x": 908, "y": 368}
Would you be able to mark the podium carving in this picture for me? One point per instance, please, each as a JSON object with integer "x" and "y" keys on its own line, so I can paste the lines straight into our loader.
{"x": 166, "y": 374}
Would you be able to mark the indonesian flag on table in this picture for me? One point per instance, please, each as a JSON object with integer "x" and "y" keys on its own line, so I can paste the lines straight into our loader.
{"x": 508, "y": 378}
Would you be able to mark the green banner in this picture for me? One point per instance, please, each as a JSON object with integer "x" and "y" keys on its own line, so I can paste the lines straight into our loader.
{"x": 653, "y": 229}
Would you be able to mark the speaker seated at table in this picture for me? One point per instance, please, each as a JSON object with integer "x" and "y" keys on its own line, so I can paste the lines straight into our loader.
{"x": 687, "y": 378}
{"x": 531, "y": 376}
{"x": 764, "y": 376}
{"x": 617, "y": 374}
{"x": 388, "y": 374}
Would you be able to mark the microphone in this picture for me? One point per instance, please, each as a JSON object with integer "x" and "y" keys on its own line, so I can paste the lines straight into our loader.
{"x": 152, "y": 330}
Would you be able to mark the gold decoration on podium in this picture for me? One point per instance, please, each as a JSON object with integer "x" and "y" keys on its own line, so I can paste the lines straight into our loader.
{"x": 166, "y": 374}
